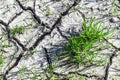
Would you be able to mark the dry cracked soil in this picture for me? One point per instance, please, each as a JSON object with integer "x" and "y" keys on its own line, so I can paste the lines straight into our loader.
{"x": 27, "y": 53}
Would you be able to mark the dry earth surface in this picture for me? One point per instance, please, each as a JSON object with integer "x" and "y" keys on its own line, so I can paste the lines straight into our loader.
{"x": 47, "y": 24}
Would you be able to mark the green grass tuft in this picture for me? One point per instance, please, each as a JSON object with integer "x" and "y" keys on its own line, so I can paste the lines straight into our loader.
{"x": 18, "y": 30}
{"x": 81, "y": 48}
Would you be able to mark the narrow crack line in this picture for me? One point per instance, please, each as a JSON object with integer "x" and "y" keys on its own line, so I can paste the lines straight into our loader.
{"x": 16, "y": 50}
{"x": 3, "y": 23}
{"x": 82, "y": 14}
{"x": 58, "y": 29}
{"x": 85, "y": 75}
{"x": 117, "y": 5}
{"x": 36, "y": 17}
{"x": 116, "y": 70}
{"x": 34, "y": 5}
{"x": 19, "y": 43}
{"x": 49, "y": 61}
{"x": 37, "y": 41}
{"x": 108, "y": 66}
{"x": 45, "y": 34}
{"x": 53, "y": 27}
{"x": 12, "y": 37}
{"x": 76, "y": 2}
{"x": 110, "y": 59}
{"x": 6, "y": 28}
{"x": 11, "y": 40}
{"x": 2, "y": 50}
{"x": 13, "y": 65}
{"x": 111, "y": 44}
{"x": 14, "y": 17}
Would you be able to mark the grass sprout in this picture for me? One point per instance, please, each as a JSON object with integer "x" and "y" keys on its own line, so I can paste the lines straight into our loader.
{"x": 82, "y": 47}
{"x": 18, "y": 30}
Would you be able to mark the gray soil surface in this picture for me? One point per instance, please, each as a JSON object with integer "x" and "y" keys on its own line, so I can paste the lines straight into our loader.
{"x": 47, "y": 24}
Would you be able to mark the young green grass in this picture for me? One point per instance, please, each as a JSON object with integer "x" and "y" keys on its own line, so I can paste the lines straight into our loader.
{"x": 81, "y": 48}
{"x": 1, "y": 59}
{"x": 115, "y": 8}
{"x": 18, "y": 30}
